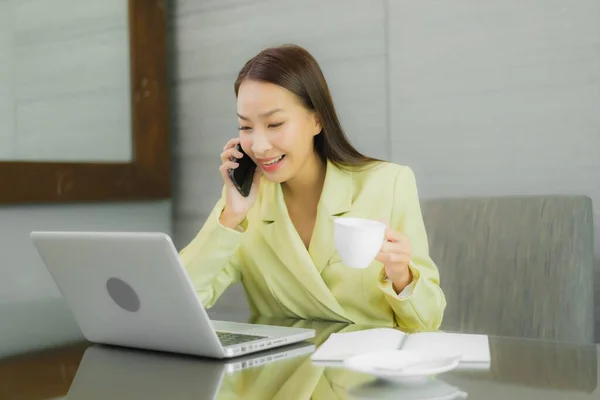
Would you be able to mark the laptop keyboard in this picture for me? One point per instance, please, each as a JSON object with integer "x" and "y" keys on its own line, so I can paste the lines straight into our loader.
{"x": 228, "y": 338}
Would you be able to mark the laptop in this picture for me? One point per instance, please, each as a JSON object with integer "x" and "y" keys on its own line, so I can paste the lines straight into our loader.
{"x": 131, "y": 289}
{"x": 108, "y": 372}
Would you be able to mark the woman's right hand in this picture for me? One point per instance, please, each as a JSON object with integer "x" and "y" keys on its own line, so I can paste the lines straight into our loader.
{"x": 236, "y": 205}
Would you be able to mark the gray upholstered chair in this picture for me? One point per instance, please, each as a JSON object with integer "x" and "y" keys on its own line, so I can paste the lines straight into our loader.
{"x": 515, "y": 266}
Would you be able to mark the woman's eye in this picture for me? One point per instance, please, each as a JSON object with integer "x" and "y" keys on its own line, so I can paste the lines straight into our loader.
{"x": 244, "y": 128}
{"x": 275, "y": 125}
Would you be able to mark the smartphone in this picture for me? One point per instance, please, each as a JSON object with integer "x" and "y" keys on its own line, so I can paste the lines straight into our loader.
{"x": 243, "y": 175}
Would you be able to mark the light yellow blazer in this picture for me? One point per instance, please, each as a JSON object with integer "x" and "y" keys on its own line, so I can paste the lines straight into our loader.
{"x": 282, "y": 278}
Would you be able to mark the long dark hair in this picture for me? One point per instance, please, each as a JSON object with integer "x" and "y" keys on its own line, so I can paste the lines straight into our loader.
{"x": 295, "y": 69}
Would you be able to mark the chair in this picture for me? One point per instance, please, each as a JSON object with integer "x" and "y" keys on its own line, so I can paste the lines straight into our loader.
{"x": 515, "y": 266}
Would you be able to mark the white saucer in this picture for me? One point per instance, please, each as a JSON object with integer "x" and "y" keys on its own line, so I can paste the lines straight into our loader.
{"x": 374, "y": 364}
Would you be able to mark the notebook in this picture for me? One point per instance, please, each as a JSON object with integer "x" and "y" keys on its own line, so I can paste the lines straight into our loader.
{"x": 475, "y": 349}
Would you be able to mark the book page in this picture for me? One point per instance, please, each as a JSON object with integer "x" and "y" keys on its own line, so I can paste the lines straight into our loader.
{"x": 340, "y": 346}
{"x": 474, "y": 348}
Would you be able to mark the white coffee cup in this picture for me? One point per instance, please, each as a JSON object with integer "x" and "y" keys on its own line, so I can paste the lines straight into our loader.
{"x": 358, "y": 240}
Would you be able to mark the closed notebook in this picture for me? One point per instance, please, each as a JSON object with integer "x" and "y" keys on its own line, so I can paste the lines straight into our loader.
{"x": 475, "y": 349}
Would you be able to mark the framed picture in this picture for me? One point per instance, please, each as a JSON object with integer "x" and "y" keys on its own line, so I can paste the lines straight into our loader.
{"x": 145, "y": 173}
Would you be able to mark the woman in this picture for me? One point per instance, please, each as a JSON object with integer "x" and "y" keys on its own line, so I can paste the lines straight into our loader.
{"x": 279, "y": 240}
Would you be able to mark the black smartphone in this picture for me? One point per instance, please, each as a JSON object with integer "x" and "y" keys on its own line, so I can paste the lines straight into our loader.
{"x": 243, "y": 175}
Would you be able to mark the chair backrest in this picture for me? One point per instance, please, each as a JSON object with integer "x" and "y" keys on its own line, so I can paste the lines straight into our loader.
{"x": 515, "y": 266}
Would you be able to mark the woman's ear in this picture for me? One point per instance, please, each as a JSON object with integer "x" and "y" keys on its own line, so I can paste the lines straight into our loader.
{"x": 316, "y": 120}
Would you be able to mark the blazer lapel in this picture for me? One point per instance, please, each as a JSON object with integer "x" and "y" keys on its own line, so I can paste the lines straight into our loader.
{"x": 336, "y": 200}
{"x": 280, "y": 234}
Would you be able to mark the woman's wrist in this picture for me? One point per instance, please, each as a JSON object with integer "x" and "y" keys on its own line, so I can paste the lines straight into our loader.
{"x": 231, "y": 220}
{"x": 399, "y": 284}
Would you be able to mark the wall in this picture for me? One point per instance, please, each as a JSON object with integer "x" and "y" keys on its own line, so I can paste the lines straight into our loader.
{"x": 479, "y": 98}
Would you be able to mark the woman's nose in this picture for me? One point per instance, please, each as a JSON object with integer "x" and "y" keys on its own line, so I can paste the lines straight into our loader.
{"x": 260, "y": 144}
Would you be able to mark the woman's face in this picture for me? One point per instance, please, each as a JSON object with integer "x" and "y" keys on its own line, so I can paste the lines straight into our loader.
{"x": 276, "y": 130}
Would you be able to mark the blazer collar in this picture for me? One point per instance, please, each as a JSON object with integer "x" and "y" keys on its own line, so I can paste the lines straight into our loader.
{"x": 336, "y": 197}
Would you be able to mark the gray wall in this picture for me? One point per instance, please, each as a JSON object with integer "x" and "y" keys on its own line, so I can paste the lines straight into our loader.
{"x": 23, "y": 276}
{"x": 479, "y": 98}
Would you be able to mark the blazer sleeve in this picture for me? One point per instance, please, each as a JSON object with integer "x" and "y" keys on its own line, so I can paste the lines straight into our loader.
{"x": 422, "y": 308}
{"x": 212, "y": 258}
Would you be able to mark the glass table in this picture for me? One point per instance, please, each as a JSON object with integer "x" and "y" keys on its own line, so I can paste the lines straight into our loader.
{"x": 44, "y": 356}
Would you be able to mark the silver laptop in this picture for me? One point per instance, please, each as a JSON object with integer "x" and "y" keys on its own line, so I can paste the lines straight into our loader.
{"x": 131, "y": 289}
{"x": 107, "y": 372}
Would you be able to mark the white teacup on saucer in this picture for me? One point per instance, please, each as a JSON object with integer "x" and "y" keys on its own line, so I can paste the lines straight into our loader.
{"x": 358, "y": 240}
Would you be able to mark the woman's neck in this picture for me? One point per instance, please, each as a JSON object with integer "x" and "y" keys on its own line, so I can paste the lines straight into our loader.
{"x": 306, "y": 186}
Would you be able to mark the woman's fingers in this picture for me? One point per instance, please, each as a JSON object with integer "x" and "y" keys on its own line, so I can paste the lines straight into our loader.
{"x": 392, "y": 235}
{"x": 231, "y": 143}
{"x": 225, "y": 167}
{"x": 229, "y": 153}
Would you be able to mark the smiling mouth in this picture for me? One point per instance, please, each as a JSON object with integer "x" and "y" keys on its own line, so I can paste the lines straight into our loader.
{"x": 275, "y": 160}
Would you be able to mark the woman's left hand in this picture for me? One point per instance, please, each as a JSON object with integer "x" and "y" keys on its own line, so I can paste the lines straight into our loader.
{"x": 395, "y": 256}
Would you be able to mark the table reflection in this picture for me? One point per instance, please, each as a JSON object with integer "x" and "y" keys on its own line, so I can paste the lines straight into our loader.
{"x": 107, "y": 372}
{"x": 569, "y": 368}
{"x": 519, "y": 369}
